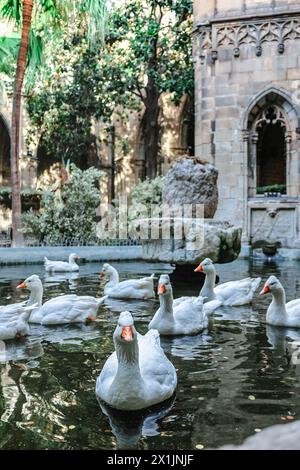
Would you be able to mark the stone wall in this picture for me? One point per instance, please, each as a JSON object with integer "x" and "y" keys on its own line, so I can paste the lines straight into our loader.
{"x": 130, "y": 161}
{"x": 241, "y": 62}
{"x": 214, "y": 8}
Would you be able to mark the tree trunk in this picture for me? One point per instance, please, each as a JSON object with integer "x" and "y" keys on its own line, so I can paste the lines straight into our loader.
{"x": 27, "y": 8}
{"x": 151, "y": 130}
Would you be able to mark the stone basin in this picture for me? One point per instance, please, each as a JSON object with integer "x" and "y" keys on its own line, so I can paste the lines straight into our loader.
{"x": 220, "y": 241}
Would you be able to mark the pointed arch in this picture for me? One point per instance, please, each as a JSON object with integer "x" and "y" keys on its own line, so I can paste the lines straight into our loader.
{"x": 271, "y": 123}
{"x": 271, "y": 93}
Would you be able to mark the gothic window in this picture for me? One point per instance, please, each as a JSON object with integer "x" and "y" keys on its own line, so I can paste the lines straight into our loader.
{"x": 271, "y": 151}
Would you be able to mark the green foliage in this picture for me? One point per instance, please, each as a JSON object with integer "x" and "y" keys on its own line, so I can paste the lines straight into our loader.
{"x": 150, "y": 42}
{"x": 148, "y": 192}
{"x": 12, "y": 10}
{"x": 147, "y": 46}
{"x": 146, "y": 199}
{"x": 29, "y": 198}
{"x": 67, "y": 213}
{"x": 49, "y": 22}
{"x": 8, "y": 49}
{"x": 63, "y": 117}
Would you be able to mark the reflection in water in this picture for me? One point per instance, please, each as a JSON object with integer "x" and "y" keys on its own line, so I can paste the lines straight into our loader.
{"x": 72, "y": 334}
{"x": 129, "y": 427}
{"x": 278, "y": 336}
{"x": 187, "y": 347}
{"x": 29, "y": 348}
{"x": 139, "y": 308}
{"x": 52, "y": 279}
{"x": 232, "y": 379}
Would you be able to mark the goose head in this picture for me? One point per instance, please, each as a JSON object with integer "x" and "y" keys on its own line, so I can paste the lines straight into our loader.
{"x": 125, "y": 331}
{"x": 107, "y": 271}
{"x": 32, "y": 282}
{"x": 206, "y": 267}
{"x": 73, "y": 257}
{"x": 164, "y": 285}
{"x": 272, "y": 285}
{"x": 125, "y": 339}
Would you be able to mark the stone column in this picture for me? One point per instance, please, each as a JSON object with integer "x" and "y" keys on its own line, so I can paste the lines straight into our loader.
{"x": 290, "y": 186}
{"x": 253, "y": 165}
{"x": 245, "y": 136}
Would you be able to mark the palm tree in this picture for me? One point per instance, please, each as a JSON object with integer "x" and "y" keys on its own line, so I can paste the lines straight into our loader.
{"x": 21, "y": 12}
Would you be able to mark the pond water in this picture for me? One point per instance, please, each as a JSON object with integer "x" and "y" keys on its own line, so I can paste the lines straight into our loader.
{"x": 233, "y": 380}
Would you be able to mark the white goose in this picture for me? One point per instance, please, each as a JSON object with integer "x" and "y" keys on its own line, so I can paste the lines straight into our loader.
{"x": 183, "y": 316}
{"x": 279, "y": 312}
{"x": 12, "y": 312}
{"x": 62, "y": 266}
{"x": 138, "y": 374}
{"x": 17, "y": 327}
{"x": 232, "y": 293}
{"x": 60, "y": 310}
{"x": 130, "y": 289}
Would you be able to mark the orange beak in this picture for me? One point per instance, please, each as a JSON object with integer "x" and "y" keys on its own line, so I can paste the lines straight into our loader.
{"x": 90, "y": 319}
{"x": 199, "y": 269}
{"x": 22, "y": 286}
{"x": 101, "y": 274}
{"x": 162, "y": 289}
{"x": 127, "y": 333}
{"x": 265, "y": 290}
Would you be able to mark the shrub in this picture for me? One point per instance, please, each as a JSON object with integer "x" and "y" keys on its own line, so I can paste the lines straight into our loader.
{"x": 143, "y": 197}
{"x": 29, "y": 198}
{"x": 148, "y": 192}
{"x": 68, "y": 211}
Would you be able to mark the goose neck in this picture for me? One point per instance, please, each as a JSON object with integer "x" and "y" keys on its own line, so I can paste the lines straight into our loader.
{"x": 128, "y": 364}
{"x": 166, "y": 303}
{"x": 113, "y": 277}
{"x": 279, "y": 298}
{"x": 36, "y": 295}
{"x": 209, "y": 282}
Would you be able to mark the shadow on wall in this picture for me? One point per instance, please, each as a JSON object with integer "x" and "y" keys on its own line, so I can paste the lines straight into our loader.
{"x": 4, "y": 154}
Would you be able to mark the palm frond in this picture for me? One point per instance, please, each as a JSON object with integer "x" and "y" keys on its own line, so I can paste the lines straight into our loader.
{"x": 53, "y": 11}
{"x": 95, "y": 12}
{"x": 11, "y": 10}
{"x": 35, "y": 50}
{"x": 9, "y": 47}
{"x": 35, "y": 58}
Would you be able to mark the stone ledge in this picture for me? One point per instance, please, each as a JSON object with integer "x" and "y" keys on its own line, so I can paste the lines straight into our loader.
{"x": 35, "y": 255}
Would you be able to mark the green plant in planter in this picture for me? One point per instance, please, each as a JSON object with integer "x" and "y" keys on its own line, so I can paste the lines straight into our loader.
{"x": 271, "y": 188}
{"x": 68, "y": 212}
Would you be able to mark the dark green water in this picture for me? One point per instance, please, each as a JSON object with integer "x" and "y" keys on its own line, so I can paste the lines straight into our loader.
{"x": 233, "y": 379}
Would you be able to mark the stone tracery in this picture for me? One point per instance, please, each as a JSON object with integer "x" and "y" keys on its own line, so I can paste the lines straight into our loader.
{"x": 213, "y": 36}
